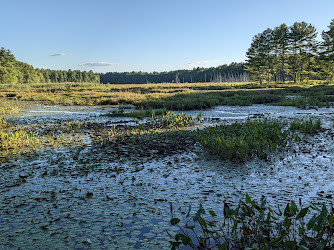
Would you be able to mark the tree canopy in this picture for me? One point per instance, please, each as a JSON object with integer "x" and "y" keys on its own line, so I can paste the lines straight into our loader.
{"x": 13, "y": 71}
{"x": 291, "y": 53}
{"x": 233, "y": 72}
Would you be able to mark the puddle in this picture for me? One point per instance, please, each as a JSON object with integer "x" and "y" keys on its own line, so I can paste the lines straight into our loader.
{"x": 101, "y": 200}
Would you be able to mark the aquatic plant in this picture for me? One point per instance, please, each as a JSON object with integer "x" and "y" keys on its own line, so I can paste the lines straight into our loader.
{"x": 137, "y": 114}
{"x": 3, "y": 123}
{"x": 242, "y": 141}
{"x": 306, "y": 126}
{"x": 8, "y": 109}
{"x": 255, "y": 225}
{"x": 172, "y": 120}
{"x": 17, "y": 140}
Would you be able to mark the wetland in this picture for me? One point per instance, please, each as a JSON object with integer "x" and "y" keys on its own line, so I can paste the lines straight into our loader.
{"x": 82, "y": 177}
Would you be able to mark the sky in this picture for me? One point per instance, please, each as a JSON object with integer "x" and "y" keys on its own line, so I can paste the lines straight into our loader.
{"x": 145, "y": 35}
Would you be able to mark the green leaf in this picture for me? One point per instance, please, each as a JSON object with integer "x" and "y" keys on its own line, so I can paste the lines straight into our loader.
{"x": 290, "y": 245}
{"x": 331, "y": 221}
{"x": 188, "y": 214}
{"x": 312, "y": 222}
{"x": 212, "y": 213}
{"x": 302, "y": 213}
{"x": 224, "y": 246}
{"x": 191, "y": 227}
{"x": 186, "y": 240}
{"x": 174, "y": 221}
{"x": 286, "y": 222}
{"x": 174, "y": 243}
{"x": 248, "y": 199}
{"x": 301, "y": 231}
{"x": 293, "y": 208}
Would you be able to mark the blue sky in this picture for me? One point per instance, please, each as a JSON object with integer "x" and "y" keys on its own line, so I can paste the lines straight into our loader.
{"x": 145, "y": 35}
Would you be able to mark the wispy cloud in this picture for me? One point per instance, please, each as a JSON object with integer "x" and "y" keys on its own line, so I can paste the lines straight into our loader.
{"x": 61, "y": 54}
{"x": 97, "y": 64}
{"x": 200, "y": 63}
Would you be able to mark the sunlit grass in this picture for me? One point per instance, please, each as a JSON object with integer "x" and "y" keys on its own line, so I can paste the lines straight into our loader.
{"x": 172, "y": 96}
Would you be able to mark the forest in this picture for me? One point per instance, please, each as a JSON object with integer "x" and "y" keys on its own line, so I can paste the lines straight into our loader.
{"x": 234, "y": 72}
{"x": 13, "y": 71}
{"x": 291, "y": 54}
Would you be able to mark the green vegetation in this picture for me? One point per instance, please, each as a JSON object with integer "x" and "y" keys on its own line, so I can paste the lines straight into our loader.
{"x": 242, "y": 141}
{"x": 224, "y": 73}
{"x": 191, "y": 101}
{"x": 3, "y": 123}
{"x": 145, "y": 140}
{"x": 7, "y": 108}
{"x": 291, "y": 54}
{"x": 307, "y": 127}
{"x": 137, "y": 114}
{"x": 257, "y": 226}
{"x": 171, "y": 120}
{"x": 13, "y": 71}
{"x": 15, "y": 141}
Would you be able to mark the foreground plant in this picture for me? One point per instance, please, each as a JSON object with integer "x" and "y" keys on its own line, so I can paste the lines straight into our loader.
{"x": 255, "y": 225}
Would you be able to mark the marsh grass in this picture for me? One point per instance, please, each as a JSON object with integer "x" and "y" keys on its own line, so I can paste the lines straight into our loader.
{"x": 171, "y": 120}
{"x": 8, "y": 108}
{"x": 242, "y": 141}
{"x": 182, "y": 96}
{"x": 193, "y": 101}
{"x": 306, "y": 126}
{"x": 15, "y": 141}
{"x": 3, "y": 123}
{"x": 137, "y": 114}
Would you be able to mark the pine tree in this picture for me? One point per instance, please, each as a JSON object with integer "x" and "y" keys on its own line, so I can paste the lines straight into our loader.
{"x": 327, "y": 52}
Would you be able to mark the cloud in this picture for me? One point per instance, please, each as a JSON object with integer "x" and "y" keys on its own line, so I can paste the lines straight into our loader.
{"x": 97, "y": 64}
{"x": 61, "y": 54}
{"x": 200, "y": 63}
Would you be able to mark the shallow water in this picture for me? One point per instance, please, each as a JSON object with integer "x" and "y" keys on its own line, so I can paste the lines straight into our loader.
{"x": 99, "y": 200}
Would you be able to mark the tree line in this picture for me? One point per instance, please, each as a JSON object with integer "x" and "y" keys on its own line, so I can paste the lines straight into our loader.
{"x": 291, "y": 54}
{"x": 275, "y": 55}
{"x": 69, "y": 76}
{"x": 13, "y": 71}
{"x": 234, "y": 72}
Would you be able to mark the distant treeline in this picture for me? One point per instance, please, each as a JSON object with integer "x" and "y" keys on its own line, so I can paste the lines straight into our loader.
{"x": 234, "y": 72}
{"x": 292, "y": 54}
{"x": 69, "y": 76}
{"x": 13, "y": 71}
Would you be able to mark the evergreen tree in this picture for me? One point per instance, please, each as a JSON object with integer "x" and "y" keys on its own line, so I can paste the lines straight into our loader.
{"x": 302, "y": 40}
{"x": 327, "y": 52}
{"x": 281, "y": 44}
